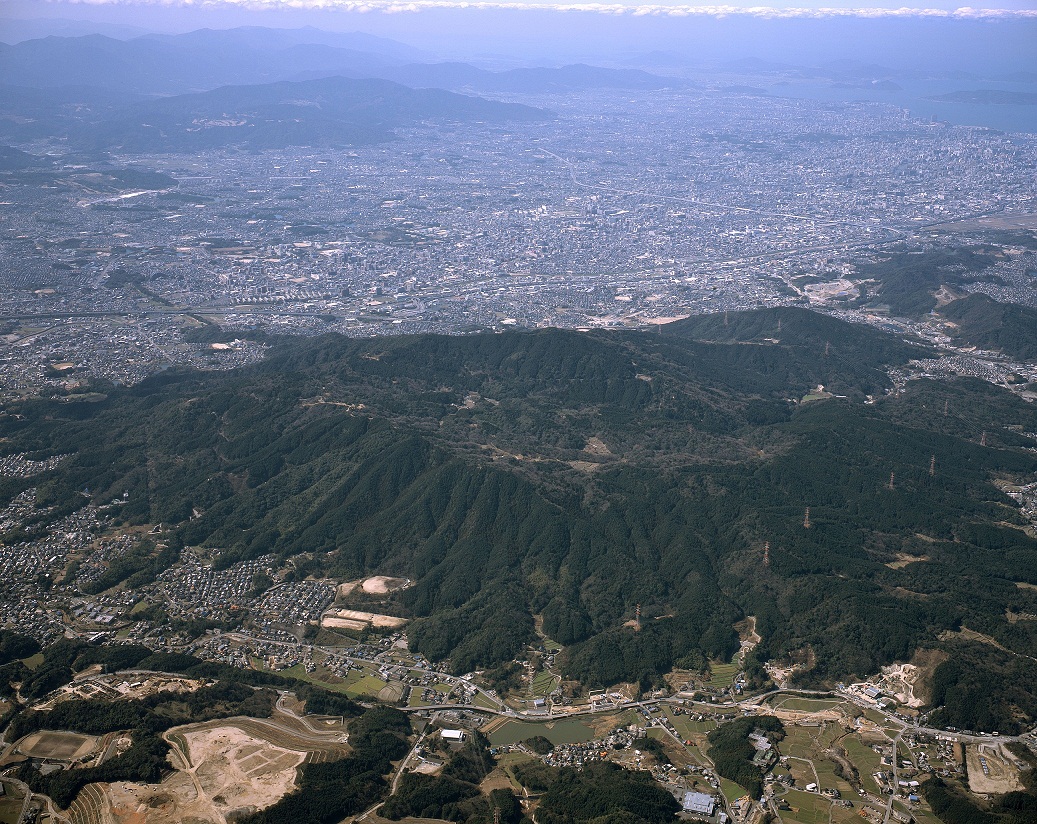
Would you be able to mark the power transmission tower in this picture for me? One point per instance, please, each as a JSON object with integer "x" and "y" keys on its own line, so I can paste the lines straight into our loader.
{"x": 806, "y": 519}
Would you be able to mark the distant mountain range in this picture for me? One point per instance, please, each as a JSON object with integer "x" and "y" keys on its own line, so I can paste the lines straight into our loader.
{"x": 257, "y": 87}
{"x": 206, "y": 59}
{"x": 157, "y": 65}
{"x": 334, "y": 111}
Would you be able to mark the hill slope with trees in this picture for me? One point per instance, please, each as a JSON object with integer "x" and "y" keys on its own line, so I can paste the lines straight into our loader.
{"x": 575, "y": 475}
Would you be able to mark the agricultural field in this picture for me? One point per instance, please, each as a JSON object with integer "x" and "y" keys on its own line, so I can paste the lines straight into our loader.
{"x": 354, "y": 684}
{"x": 809, "y": 761}
{"x": 687, "y": 727}
{"x": 811, "y": 808}
{"x": 723, "y": 675}
{"x": 543, "y": 684}
{"x": 864, "y": 758}
{"x": 807, "y": 808}
{"x": 11, "y": 804}
{"x": 806, "y": 704}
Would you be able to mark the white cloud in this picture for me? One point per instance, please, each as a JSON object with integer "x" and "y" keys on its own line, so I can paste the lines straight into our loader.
{"x": 637, "y": 10}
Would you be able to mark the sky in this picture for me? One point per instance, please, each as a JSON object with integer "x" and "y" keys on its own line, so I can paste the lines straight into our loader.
{"x": 158, "y": 11}
{"x": 909, "y": 33}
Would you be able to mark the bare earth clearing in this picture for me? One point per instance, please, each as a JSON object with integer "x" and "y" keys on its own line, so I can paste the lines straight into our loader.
{"x": 1000, "y": 774}
{"x": 345, "y": 617}
{"x": 375, "y": 585}
{"x": 229, "y": 771}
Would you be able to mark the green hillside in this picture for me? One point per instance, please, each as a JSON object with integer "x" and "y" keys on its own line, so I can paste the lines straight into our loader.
{"x": 574, "y": 476}
{"x": 984, "y": 322}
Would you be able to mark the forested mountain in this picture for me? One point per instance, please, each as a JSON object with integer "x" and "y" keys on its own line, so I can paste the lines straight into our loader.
{"x": 575, "y": 475}
{"x": 984, "y": 322}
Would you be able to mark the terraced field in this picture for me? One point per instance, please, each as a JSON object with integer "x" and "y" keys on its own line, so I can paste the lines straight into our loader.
{"x": 544, "y": 684}
{"x": 89, "y": 806}
{"x": 864, "y": 758}
{"x": 723, "y": 675}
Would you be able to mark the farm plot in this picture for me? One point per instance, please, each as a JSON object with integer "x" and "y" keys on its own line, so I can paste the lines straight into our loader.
{"x": 723, "y": 675}
{"x": 11, "y": 804}
{"x": 865, "y": 759}
{"x": 806, "y": 704}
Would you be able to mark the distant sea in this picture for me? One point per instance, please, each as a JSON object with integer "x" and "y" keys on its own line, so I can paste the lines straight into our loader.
{"x": 914, "y": 95}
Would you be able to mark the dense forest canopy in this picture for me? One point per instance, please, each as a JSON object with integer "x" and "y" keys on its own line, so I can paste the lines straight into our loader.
{"x": 574, "y": 475}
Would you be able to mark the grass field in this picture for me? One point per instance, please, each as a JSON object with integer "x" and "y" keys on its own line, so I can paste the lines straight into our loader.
{"x": 33, "y": 661}
{"x": 695, "y": 754}
{"x": 732, "y": 792}
{"x": 807, "y": 808}
{"x": 414, "y": 699}
{"x": 180, "y": 743}
{"x": 510, "y": 759}
{"x": 60, "y": 746}
{"x": 924, "y": 817}
{"x": 368, "y": 685}
{"x": 876, "y": 716}
{"x": 480, "y": 700}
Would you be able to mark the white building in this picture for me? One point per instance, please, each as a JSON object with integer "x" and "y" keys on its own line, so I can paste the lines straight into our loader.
{"x": 698, "y": 803}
